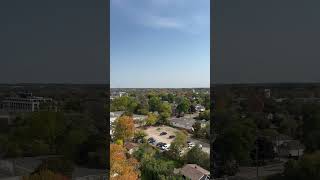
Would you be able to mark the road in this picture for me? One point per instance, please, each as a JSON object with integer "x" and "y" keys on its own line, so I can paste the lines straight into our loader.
{"x": 263, "y": 171}
{"x": 205, "y": 145}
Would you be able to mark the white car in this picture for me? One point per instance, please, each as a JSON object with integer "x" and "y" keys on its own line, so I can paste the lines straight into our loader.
{"x": 190, "y": 145}
{"x": 165, "y": 147}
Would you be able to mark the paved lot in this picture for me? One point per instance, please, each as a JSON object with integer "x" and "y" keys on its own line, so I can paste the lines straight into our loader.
{"x": 155, "y": 131}
{"x": 205, "y": 145}
{"x": 185, "y": 122}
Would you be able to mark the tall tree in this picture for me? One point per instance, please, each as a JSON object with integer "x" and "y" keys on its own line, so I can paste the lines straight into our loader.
{"x": 154, "y": 103}
{"x": 121, "y": 167}
{"x": 151, "y": 119}
{"x": 178, "y": 144}
{"x": 165, "y": 112}
{"x": 183, "y": 106}
{"x": 124, "y": 128}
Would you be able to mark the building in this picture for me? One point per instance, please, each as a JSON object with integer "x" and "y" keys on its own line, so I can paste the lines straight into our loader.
{"x": 291, "y": 149}
{"x": 200, "y": 108}
{"x": 193, "y": 172}
{"x": 281, "y": 139}
{"x": 113, "y": 117}
{"x": 16, "y": 168}
{"x": 267, "y": 93}
{"x": 139, "y": 120}
{"x": 131, "y": 147}
{"x": 185, "y": 122}
{"x": 24, "y": 102}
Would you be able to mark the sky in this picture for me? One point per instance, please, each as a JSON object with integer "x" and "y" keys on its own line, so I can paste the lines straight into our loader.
{"x": 52, "y": 41}
{"x": 267, "y": 41}
{"x": 159, "y": 43}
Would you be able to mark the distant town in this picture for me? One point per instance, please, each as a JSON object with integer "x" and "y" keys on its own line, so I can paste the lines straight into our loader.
{"x": 160, "y": 133}
{"x": 52, "y": 132}
{"x": 266, "y": 131}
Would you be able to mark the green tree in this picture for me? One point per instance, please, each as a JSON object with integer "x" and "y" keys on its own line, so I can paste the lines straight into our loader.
{"x": 204, "y": 115}
{"x": 308, "y": 167}
{"x": 154, "y": 103}
{"x": 157, "y": 170}
{"x": 165, "y": 112}
{"x": 183, "y": 106}
{"x": 235, "y": 141}
{"x": 139, "y": 134}
{"x": 151, "y": 119}
{"x": 178, "y": 144}
{"x": 170, "y": 98}
{"x": 197, "y": 129}
{"x": 197, "y": 156}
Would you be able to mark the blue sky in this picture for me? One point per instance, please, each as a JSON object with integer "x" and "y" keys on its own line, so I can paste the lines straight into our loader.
{"x": 160, "y": 43}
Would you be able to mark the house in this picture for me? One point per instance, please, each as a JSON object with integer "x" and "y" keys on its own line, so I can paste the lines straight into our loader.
{"x": 113, "y": 117}
{"x": 139, "y": 120}
{"x": 280, "y": 139}
{"x": 185, "y": 122}
{"x": 291, "y": 149}
{"x": 131, "y": 147}
{"x": 270, "y": 116}
{"x": 267, "y": 93}
{"x": 200, "y": 108}
{"x": 204, "y": 123}
{"x": 193, "y": 172}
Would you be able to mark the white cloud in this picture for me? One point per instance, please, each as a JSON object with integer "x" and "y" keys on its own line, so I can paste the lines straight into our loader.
{"x": 162, "y": 22}
{"x": 166, "y": 14}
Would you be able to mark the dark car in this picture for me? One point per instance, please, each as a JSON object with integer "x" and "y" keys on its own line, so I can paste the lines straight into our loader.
{"x": 172, "y": 136}
{"x": 163, "y": 133}
{"x": 151, "y": 140}
{"x": 160, "y": 144}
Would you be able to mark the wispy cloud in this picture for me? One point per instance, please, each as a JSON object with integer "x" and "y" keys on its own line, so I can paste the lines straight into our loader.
{"x": 165, "y": 14}
{"x": 162, "y": 22}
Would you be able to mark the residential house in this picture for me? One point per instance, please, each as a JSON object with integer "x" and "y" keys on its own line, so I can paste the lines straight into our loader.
{"x": 200, "y": 108}
{"x": 291, "y": 149}
{"x": 131, "y": 147}
{"x": 193, "y": 172}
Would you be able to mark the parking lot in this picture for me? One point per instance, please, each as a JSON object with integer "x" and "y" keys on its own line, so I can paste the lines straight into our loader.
{"x": 154, "y": 132}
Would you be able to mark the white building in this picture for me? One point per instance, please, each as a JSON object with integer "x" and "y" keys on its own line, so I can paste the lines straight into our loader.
{"x": 24, "y": 102}
{"x": 200, "y": 108}
{"x": 113, "y": 117}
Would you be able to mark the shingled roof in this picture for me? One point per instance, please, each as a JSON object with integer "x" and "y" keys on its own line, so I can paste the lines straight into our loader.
{"x": 194, "y": 172}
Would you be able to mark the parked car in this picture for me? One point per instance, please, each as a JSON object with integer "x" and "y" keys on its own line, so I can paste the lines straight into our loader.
{"x": 163, "y": 133}
{"x": 151, "y": 140}
{"x": 160, "y": 144}
{"x": 172, "y": 136}
{"x": 165, "y": 147}
{"x": 190, "y": 144}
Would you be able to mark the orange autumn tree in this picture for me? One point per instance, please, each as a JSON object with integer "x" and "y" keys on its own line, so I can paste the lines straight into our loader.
{"x": 124, "y": 128}
{"x": 122, "y": 168}
{"x": 45, "y": 175}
